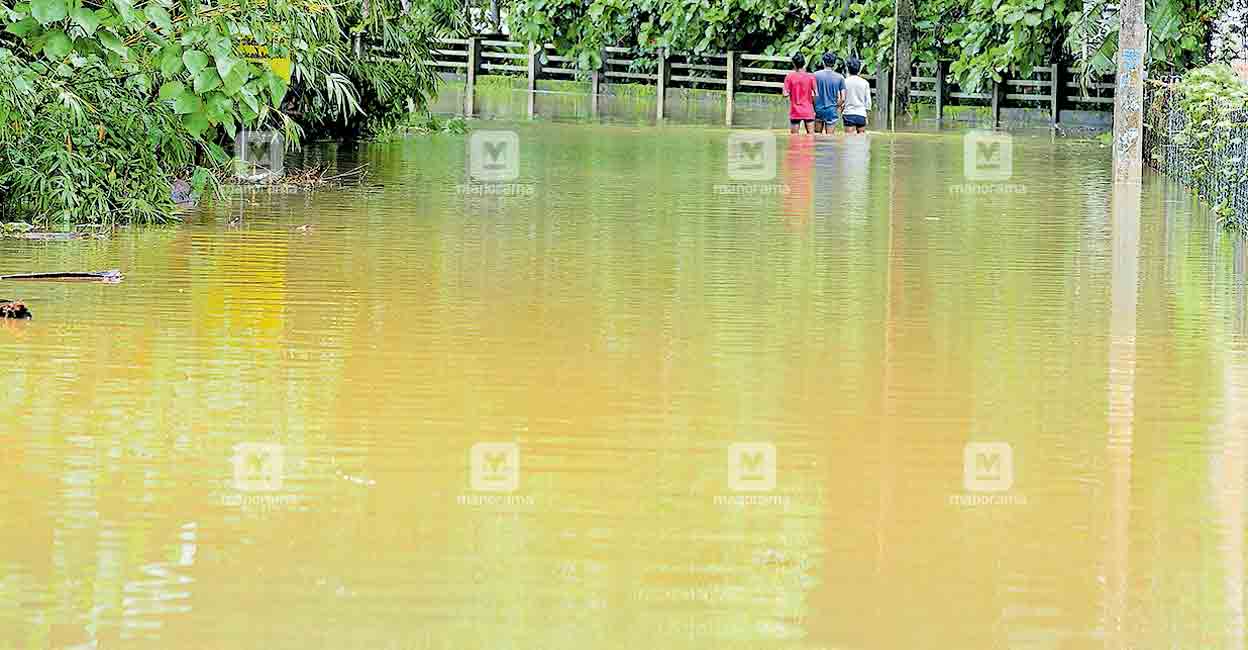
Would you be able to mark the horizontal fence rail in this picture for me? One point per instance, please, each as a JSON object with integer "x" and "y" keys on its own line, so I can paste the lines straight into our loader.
{"x": 1052, "y": 88}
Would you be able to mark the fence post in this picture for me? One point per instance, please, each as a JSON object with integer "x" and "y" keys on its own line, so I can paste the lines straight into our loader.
{"x": 595, "y": 85}
{"x": 731, "y": 81}
{"x": 664, "y": 77}
{"x": 1056, "y": 99}
{"x": 474, "y": 67}
{"x": 535, "y": 71}
{"x": 942, "y": 70}
{"x": 883, "y": 98}
{"x": 996, "y": 102}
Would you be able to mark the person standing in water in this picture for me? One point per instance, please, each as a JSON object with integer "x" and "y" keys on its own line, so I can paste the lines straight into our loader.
{"x": 830, "y": 86}
{"x": 799, "y": 87}
{"x": 857, "y": 99}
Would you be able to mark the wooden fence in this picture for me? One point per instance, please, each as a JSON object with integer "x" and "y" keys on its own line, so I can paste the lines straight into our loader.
{"x": 1052, "y": 88}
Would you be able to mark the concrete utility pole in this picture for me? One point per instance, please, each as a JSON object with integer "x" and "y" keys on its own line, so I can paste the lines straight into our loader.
{"x": 1129, "y": 93}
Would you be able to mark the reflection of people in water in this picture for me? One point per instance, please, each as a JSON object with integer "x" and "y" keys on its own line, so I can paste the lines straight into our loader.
{"x": 854, "y": 155}
{"x": 799, "y": 175}
{"x": 841, "y": 167}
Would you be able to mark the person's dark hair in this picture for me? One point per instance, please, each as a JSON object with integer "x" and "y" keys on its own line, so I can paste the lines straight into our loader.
{"x": 855, "y": 66}
{"x": 829, "y": 60}
{"x": 799, "y": 61}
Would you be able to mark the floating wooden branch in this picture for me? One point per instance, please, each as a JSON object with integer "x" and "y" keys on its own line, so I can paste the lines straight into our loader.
{"x": 92, "y": 276}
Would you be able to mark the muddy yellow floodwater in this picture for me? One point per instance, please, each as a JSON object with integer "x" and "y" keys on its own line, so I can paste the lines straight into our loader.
{"x": 630, "y": 391}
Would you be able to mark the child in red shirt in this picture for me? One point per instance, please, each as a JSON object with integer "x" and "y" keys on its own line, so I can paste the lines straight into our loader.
{"x": 800, "y": 88}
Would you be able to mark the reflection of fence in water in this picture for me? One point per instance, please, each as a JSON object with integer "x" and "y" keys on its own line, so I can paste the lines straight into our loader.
{"x": 145, "y": 603}
{"x": 1209, "y": 162}
{"x": 1054, "y": 88}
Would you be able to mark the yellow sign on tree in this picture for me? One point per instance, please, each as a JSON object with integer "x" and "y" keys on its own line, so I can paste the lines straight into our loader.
{"x": 260, "y": 54}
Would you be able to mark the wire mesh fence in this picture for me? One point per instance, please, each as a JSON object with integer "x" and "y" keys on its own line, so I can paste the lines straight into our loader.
{"x": 1206, "y": 153}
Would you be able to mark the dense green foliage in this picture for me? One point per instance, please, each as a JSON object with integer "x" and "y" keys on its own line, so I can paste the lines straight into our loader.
{"x": 1214, "y": 102}
{"x": 983, "y": 38}
{"x": 104, "y": 102}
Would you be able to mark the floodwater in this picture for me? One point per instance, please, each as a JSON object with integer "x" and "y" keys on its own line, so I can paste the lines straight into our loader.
{"x": 625, "y": 401}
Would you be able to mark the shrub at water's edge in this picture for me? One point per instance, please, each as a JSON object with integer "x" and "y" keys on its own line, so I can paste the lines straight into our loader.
{"x": 1213, "y": 102}
{"x": 104, "y": 102}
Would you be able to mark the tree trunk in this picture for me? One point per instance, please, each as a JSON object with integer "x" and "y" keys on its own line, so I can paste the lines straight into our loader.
{"x": 496, "y": 20}
{"x": 903, "y": 56}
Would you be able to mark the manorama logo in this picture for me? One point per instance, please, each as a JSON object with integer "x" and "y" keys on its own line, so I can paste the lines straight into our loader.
{"x": 259, "y": 467}
{"x": 988, "y": 467}
{"x": 987, "y": 163}
{"x": 988, "y": 475}
{"x": 752, "y": 475}
{"x": 493, "y": 165}
{"x": 259, "y": 476}
{"x": 988, "y": 156}
{"x": 751, "y": 157}
{"x": 259, "y": 156}
{"x": 495, "y": 467}
{"x": 494, "y": 475}
{"x": 494, "y": 156}
{"x": 752, "y": 467}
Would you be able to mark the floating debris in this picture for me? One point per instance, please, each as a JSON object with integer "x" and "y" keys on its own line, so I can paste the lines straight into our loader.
{"x": 13, "y": 309}
{"x": 293, "y": 181}
{"x": 358, "y": 480}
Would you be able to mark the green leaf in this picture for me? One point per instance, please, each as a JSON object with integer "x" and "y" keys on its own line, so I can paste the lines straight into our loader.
{"x": 206, "y": 80}
{"x": 86, "y": 19}
{"x": 195, "y": 61}
{"x": 57, "y": 45}
{"x": 110, "y": 41}
{"x": 159, "y": 17}
{"x": 22, "y": 27}
{"x": 235, "y": 80}
{"x": 187, "y": 103}
{"x": 218, "y": 107}
{"x": 216, "y": 154}
{"x": 196, "y": 123}
{"x": 172, "y": 89}
{"x": 225, "y": 64}
{"x": 249, "y": 110}
{"x": 277, "y": 88}
{"x": 48, "y": 11}
{"x": 217, "y": 44}
{"x": 125, "y": 9}
{"x": 250, "y": 100}
{"x": 171, "y": 60}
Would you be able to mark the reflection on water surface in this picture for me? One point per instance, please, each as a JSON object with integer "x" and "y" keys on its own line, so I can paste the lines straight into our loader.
{"x": 627, "y": 403}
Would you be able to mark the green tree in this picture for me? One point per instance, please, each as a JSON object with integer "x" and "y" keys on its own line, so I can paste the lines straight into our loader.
{"x": 104, "y": 102}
